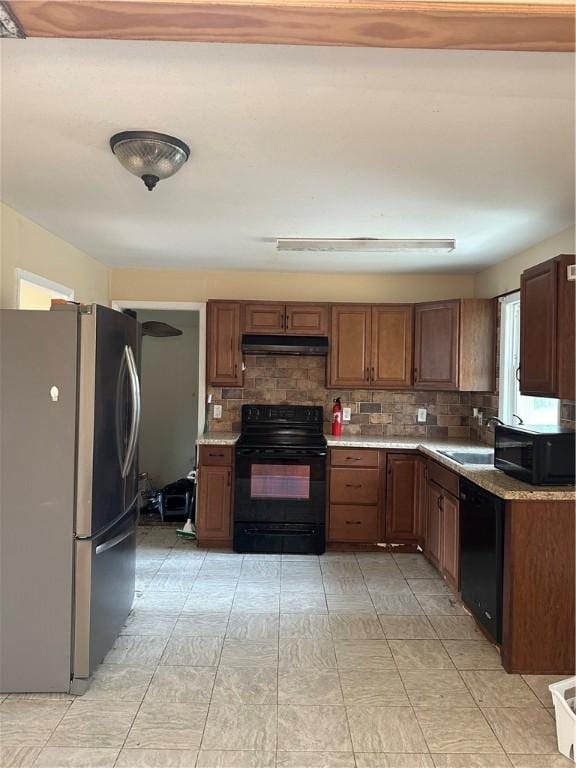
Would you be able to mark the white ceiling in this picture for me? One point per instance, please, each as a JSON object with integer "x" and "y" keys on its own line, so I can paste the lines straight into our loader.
{"x": 293, "y": 142}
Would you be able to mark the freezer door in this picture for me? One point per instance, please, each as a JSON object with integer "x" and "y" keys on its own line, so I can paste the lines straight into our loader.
{"x": 109, "y": 414}
{"x": 105, "y": 568}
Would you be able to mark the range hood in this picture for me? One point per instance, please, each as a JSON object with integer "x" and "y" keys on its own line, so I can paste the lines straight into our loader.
{"x": 284, "y": 345}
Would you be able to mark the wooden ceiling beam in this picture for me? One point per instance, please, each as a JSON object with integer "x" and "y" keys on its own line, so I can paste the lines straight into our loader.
{"x": 375, "y": 23}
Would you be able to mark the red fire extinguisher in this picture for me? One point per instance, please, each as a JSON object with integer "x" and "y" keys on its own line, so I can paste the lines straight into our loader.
{"x": 337, "y": 417}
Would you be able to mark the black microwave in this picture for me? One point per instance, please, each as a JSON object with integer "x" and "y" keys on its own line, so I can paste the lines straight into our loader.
{"x": 540, "y": 455}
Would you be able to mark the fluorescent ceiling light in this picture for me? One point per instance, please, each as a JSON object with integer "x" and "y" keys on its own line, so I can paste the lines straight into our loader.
{"x": 363, "y": 244}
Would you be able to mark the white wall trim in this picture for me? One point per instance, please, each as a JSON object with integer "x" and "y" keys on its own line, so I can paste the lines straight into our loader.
{"x": 41, "y": 282}
{"x": 195, "y": 306}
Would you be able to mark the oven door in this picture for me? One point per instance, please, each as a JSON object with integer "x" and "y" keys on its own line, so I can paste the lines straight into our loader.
{"x": 280, "y": 486}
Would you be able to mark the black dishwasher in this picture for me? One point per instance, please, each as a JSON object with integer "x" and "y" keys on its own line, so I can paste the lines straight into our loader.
{"x": 482, "y": 555}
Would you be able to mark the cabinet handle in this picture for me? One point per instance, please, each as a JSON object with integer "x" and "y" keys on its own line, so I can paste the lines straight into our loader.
{"x": 353, "y": 458}
{"x": 372, "y": 374}
{"x": 367, "y": 374}
{"x": 235, "y": 369}
{"x": 517, "y": 374}
{"x": 229, "y": 476}
{"x": 353, "y": 522}
{"x": 216, "y": 455}
{"x": 287, "y": 321}
{"x": 352, "y": 485}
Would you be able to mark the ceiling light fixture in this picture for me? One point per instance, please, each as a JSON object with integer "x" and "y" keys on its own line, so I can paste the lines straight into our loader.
{"x": 151, "y": 156}
{"x": 363, "y": 244}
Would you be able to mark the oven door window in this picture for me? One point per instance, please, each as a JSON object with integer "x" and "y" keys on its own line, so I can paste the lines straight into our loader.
{"x": 280, "y": 481}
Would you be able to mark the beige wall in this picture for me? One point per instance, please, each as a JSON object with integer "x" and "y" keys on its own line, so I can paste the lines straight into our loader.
{"x": 174, "y": 285}
{"x": 505, "y": 276}
{"x": 27, "y": 246}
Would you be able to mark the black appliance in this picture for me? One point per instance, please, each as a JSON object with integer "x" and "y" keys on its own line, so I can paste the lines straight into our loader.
{"x": 284, "y": 345}
{"x": 540, "y": 455}
{"x": 280, "y": 480}
{"x": 482, "y": 555}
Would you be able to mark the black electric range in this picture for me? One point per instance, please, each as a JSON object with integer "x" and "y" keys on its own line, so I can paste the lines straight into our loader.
{"x": 280, "y": 485}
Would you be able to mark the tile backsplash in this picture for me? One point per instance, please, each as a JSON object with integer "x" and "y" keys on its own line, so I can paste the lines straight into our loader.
{"x": 302, "y": 380}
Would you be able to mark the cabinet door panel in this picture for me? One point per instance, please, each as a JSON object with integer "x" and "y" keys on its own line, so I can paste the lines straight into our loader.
{"x": 538, "y": 329}
{"x": 264, "y": 318}
{"x": 354, "y": 486}
{"x": 434, "y": 524}
{"x": 353, "y": 523}
{"x": 224, "y": 364}
{"x": 213, "y": 518}
{"x": 436, "y": 343}
{"x": 350, "y": 346}
{"x": 401, "y": 497}
{"x": 307, "y": 319}
{"x": 451, "y": 539}
{"x": 392, "y": 333}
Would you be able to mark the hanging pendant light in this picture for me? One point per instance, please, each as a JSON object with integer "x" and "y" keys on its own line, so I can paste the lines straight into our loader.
{"x": 151, "y": 156}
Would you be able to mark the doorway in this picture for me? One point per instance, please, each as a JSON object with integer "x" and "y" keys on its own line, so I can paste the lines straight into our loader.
{"x": 173, "y": 391}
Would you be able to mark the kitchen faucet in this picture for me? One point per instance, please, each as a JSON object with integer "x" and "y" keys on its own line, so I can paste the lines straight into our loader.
{"x": 494, "y": 420}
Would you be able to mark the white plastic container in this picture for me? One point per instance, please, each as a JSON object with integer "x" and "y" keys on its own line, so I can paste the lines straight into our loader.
{"x": 564, "y": 706}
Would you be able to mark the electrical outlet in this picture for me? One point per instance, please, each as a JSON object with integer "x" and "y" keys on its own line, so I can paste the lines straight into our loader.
{"x": 421, "y": 415}
{"x": 475, "y": 412}
{"x": 346, "y": 414}
{"x": 217, "y": 412}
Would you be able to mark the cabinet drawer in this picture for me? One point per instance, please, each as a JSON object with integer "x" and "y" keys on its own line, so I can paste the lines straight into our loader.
{"x": 354, "y": 486}
{"x": 349, "y": 522}
{"x": 350, "y": 457}
{"x": 216, "y": 455}
{"x": 444, "y": 478}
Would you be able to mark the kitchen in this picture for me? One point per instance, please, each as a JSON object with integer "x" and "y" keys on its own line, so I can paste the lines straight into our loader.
{"x": 342, "y": 606}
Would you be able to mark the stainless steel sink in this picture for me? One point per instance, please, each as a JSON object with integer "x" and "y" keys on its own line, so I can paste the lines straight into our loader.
{"x": 470, "y": 457}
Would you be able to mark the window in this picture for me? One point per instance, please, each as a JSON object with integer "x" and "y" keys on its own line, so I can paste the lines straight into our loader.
{"x": 532, "y": 410}
{"x": 36, "y": 292}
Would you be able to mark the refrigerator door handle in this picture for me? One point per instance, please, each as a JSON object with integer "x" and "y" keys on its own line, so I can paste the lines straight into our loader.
{"x": 112, "y": 524}
{"x": 111, "y": 543}
{"x": 136, "y": 410}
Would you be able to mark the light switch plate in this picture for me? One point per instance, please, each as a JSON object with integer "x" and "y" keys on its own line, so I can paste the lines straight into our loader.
{"x": 346, "y": 414}
{"x": 421, "y": 415}
{"x": 217, "y": 412}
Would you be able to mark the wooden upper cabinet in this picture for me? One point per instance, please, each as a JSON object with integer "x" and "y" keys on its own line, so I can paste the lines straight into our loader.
{"x": 454, "y": 345}
{"x": 391, "y": 352}
{"x": 436, "y": 345}
{"x": 264, "y": 318}
{"x": 350, "y": 345}
{"x": 402, "y": 497}
{"x": 299, "y": 319}
{"x": 224, "y": 357}
{"x": 547, "y": 301}
{"x": 307, "y": 319}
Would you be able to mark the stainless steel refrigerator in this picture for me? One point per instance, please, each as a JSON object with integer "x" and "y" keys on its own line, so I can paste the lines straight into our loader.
{"x": 69, "y": 419}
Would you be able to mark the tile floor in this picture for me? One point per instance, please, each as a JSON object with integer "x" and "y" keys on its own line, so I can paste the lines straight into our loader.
{"x": 343, "y": 661}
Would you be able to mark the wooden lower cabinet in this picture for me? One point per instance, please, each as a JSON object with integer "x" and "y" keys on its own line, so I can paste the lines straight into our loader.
{"x": 442, "y": 545}
{"x": 433, "y": 546}
{"x": 451, "y": 540}
{"x": 402, "y": 497}
{"x": 353, "y": 523}
{"x": 214, "y": 507}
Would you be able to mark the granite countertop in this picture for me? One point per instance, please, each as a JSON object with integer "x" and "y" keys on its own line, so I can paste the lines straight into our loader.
{"x": 218, "y": 438}
{"x": 493, "y": 480}
{"x": 486, "y": 476}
